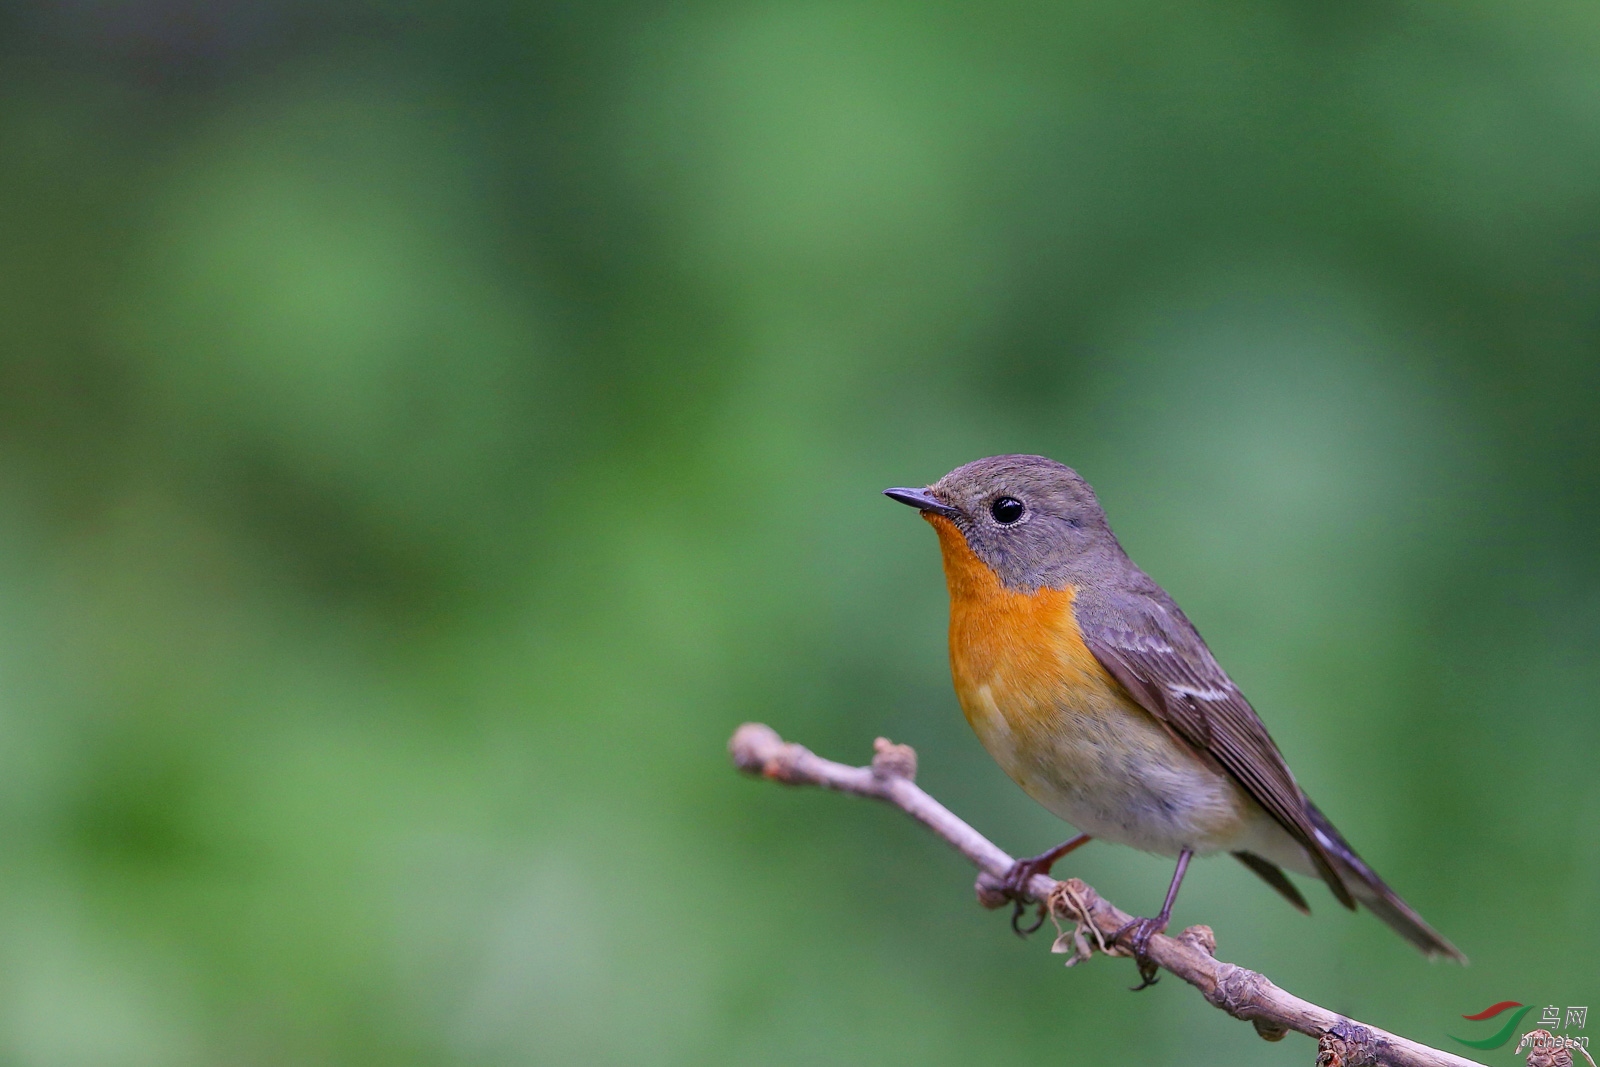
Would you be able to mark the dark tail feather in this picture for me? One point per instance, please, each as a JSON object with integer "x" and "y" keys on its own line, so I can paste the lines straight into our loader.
{"x": 1382, "y": 901}
{"x": 1273, "y": 875}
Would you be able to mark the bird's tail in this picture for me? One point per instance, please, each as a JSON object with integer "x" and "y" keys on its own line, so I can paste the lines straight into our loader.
{"x": 1365, "y": 885}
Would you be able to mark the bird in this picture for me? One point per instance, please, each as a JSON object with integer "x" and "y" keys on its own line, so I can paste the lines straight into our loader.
{"x": 1094, "y": 693}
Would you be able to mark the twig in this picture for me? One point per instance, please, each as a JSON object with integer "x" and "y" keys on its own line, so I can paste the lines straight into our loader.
{"x": 1242, "y": 993}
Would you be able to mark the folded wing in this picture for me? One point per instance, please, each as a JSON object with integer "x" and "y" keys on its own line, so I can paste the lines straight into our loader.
{"x": 1162, "y": 662}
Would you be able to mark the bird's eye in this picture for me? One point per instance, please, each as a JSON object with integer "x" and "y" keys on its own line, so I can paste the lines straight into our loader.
{"x": 1006, "y": 510}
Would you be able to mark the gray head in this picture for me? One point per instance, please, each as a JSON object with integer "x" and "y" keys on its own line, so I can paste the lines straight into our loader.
{"x": 1034, "y": 521}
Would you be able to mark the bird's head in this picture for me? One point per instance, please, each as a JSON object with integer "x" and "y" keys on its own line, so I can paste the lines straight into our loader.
{"x": 1034, "y": 522}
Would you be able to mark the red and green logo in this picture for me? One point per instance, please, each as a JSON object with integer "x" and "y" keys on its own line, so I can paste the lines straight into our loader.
{"x": 1502, "y": 1035}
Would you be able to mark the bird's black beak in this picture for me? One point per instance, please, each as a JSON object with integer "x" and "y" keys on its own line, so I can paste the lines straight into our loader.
{"x": 922, "y": 500}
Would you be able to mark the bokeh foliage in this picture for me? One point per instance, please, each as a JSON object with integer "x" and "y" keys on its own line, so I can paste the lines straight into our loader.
{"x": 427, "y": 430}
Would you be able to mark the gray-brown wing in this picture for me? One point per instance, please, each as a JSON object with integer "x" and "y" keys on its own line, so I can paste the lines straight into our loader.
{"x": 1166, "y": 667}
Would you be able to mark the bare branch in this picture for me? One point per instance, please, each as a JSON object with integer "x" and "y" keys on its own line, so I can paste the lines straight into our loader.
{"x": 1242, "y": 993}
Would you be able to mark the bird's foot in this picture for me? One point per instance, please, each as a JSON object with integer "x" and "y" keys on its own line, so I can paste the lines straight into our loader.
{"x": 1139, "y": 932}
{"x": 1014, "y": 886}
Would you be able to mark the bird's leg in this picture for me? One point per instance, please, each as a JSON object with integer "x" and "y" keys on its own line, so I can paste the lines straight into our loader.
{"x": 1015, "y": 882}
{"x": 1144, "y": 929}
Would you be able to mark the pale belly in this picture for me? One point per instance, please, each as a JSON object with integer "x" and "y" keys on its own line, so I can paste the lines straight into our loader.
{"x": 1115, "y": 773}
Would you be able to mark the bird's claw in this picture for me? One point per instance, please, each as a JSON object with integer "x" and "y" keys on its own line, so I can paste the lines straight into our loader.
{"x": 1014, "y": 885}
{"x": 1140, "y": 932}
{"x": 1018, "y": 907}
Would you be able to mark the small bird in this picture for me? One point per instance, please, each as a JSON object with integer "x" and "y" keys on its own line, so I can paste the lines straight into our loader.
{"x": 1096, "y": 695}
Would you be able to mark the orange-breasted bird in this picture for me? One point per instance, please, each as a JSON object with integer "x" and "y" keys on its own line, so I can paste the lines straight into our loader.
{"x": 1091, "y": 689}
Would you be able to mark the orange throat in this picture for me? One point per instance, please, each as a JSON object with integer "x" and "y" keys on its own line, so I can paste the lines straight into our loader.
{"x": 1017, "y": 659}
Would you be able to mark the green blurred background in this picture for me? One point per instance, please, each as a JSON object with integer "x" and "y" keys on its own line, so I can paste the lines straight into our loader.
{"x": 427, "y": 430}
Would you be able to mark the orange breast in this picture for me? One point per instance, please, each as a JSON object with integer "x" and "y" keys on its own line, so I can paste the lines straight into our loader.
{"x": 1015, "y": 656}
